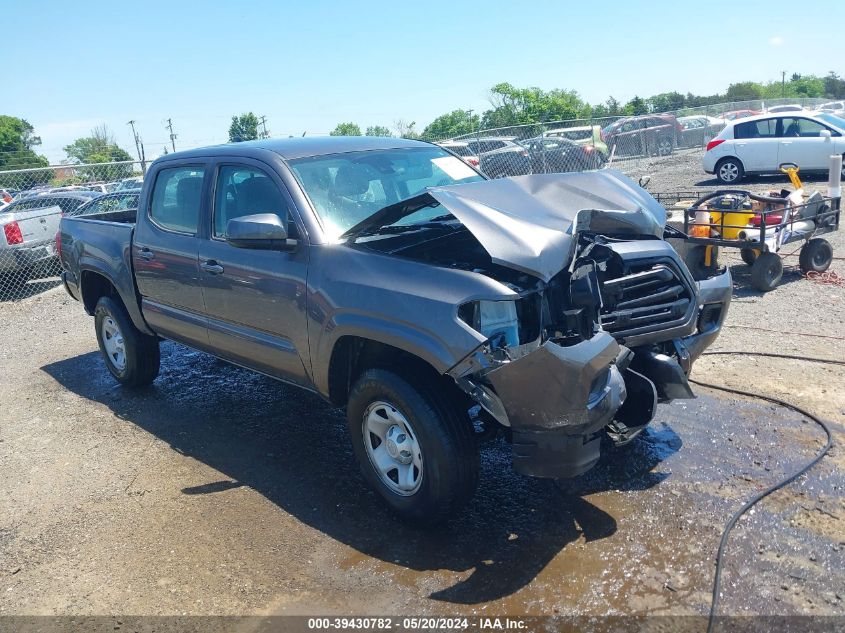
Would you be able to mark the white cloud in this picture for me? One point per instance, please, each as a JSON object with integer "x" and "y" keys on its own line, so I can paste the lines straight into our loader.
{"x": 777, "y": 40}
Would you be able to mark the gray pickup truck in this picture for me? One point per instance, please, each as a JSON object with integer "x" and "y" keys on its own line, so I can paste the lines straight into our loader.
{"x": 391, "y": 278}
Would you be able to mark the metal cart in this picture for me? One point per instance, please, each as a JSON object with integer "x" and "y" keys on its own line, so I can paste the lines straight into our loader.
{"x": 759, "y": 226}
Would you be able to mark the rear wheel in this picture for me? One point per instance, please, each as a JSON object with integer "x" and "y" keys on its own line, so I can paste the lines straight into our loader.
{"x": 749, "y": 255}
{"x": 766, "y": 272}
{"x": 729, "y": 170}
{"x": 131, "y": 356}
{"x": 816, "y": 256}
{"x": 413, "y": 448}
{"x": 664, "y": 146}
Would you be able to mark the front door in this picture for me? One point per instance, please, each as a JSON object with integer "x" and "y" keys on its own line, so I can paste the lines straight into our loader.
{"x": 255, "y": 299}
{"x": 801, "y": 143}
{"x": 164, "y": 254}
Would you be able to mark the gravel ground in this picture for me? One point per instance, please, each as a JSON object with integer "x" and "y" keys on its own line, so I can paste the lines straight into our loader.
{"x": 219, "y": 491}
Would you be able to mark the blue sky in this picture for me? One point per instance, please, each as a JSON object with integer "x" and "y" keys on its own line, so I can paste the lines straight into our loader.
{"x": 67, "y": 67}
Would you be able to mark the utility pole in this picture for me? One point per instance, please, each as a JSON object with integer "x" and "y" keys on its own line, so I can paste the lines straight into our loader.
{"x": 783, "y": 83}
{"x": 138, "y": 147}
{"x": 264, "y": 133}
{"x": 169, "y": 126}
{"x": 143, "y": 157}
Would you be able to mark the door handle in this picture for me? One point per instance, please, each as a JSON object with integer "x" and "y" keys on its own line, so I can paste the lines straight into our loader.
{"x": 786, "y": 142}
{"x": 146, "y": 254}
{"x": 212, "y": 267}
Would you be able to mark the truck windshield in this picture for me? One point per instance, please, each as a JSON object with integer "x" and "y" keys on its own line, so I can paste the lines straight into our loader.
{"x": 350, "y": 187}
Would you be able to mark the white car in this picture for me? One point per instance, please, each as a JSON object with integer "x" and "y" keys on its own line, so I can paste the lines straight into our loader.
{"x": 789, "y": 107}
{"x": 460, "y": 149}
{"x": 833, "y": 107}
{"x": 760, "y": 144}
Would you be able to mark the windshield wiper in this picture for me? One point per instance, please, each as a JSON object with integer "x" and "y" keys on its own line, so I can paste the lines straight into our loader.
{"x": 440, "y": 222}
{"x": 389, "y": 215}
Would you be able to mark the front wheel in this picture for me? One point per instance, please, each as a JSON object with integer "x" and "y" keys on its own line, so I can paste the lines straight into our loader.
{"x": 749, "y": 255}
{"x": 766, "y": 272}
{"x": 729, "y": 171}
{"x": 131, "y": 356}
{"x": 413, "y": 448}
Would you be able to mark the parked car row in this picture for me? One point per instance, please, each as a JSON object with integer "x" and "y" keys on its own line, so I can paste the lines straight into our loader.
{"x": 97, "y": 187}
{"x": 30, "y": 224}
{"x": 498, "y": 157}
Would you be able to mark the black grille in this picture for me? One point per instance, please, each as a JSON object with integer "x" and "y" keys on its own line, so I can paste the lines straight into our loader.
{"x": 649, "y": 297}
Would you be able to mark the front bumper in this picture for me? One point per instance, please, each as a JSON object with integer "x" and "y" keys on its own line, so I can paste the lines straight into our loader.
{"x": 714, "y": 299}
{"x": 555, "y": 399}
{"x": 558, "y": 400}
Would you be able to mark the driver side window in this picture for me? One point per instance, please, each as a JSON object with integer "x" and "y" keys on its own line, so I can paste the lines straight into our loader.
{"x": 243, "y": 190}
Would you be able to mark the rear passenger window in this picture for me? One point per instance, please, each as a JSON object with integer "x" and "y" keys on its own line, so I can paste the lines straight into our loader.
{"x": 176, "y": 198}
{"x": 766, "y": 128}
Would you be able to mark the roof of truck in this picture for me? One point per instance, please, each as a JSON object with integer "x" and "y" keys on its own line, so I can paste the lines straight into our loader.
{"x": 293, "y": 148}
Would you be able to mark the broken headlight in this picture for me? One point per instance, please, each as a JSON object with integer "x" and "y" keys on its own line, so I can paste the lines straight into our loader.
{"x": 496, "y": 320}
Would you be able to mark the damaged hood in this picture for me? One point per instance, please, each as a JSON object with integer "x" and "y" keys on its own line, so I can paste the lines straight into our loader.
{"x": 528, "y": 222}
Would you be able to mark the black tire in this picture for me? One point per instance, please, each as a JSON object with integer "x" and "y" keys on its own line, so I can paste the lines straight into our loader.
{"x": 730, "y": 170}
{"x": 141, "y": 356}
{"x": 448, "y": 450}
{"x": 816, "y": 256}
{"x": 766, "y": 272}
{"x": 696, "y": 259}
{"x": 749, "y": 255}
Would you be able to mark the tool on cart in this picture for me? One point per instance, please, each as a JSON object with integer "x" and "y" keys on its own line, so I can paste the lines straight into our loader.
{"x": 759, "y": 225}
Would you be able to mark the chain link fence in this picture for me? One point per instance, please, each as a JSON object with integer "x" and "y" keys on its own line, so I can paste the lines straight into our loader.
{"x": 633, "y": 144}
{"x": 32, "y": 201}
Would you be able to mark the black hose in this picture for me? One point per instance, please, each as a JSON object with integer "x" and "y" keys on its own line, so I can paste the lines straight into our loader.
{"x": 714, "y": 603}
{"x": 809, "y": 359}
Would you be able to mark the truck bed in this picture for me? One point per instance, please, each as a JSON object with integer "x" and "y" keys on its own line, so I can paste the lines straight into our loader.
{"x": 101, "y": 244}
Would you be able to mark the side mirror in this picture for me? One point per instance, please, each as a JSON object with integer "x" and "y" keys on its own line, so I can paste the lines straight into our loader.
{"x": 261, "y": 231}
{"x": 825, "y": 134}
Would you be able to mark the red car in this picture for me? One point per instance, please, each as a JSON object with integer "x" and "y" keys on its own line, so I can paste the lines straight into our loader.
{"x": 738, "y": 114}
{"x": 649, "y": 134}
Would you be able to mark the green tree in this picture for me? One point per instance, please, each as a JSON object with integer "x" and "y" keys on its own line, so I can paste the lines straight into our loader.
{"x": 99, "y": 147}
{"x": 452, "y": 124}
{"x": 406, "y": 130}
{"x": 744, "y": 91}
{"x": 346, "y": 129}
{"x": 517, "y": 106}
{"x": 17, "y": 140}
{"x": 667, "y": 102}
{"x": 834, "y": 86}
{"x": 636, "y": 106}
{"x": 243, "y": 128}
{"x": 377, "y": 130}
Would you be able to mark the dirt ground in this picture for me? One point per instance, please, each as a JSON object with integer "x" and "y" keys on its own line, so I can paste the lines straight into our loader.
{"x": 218, "y": 491}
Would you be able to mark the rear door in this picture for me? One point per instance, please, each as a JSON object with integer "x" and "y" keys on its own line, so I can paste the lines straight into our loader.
{"x": 165, "y": 252}
{"x": 255, "y": 299}
{"x": 801, "y": 143}
{"x": 756, "y": 144}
